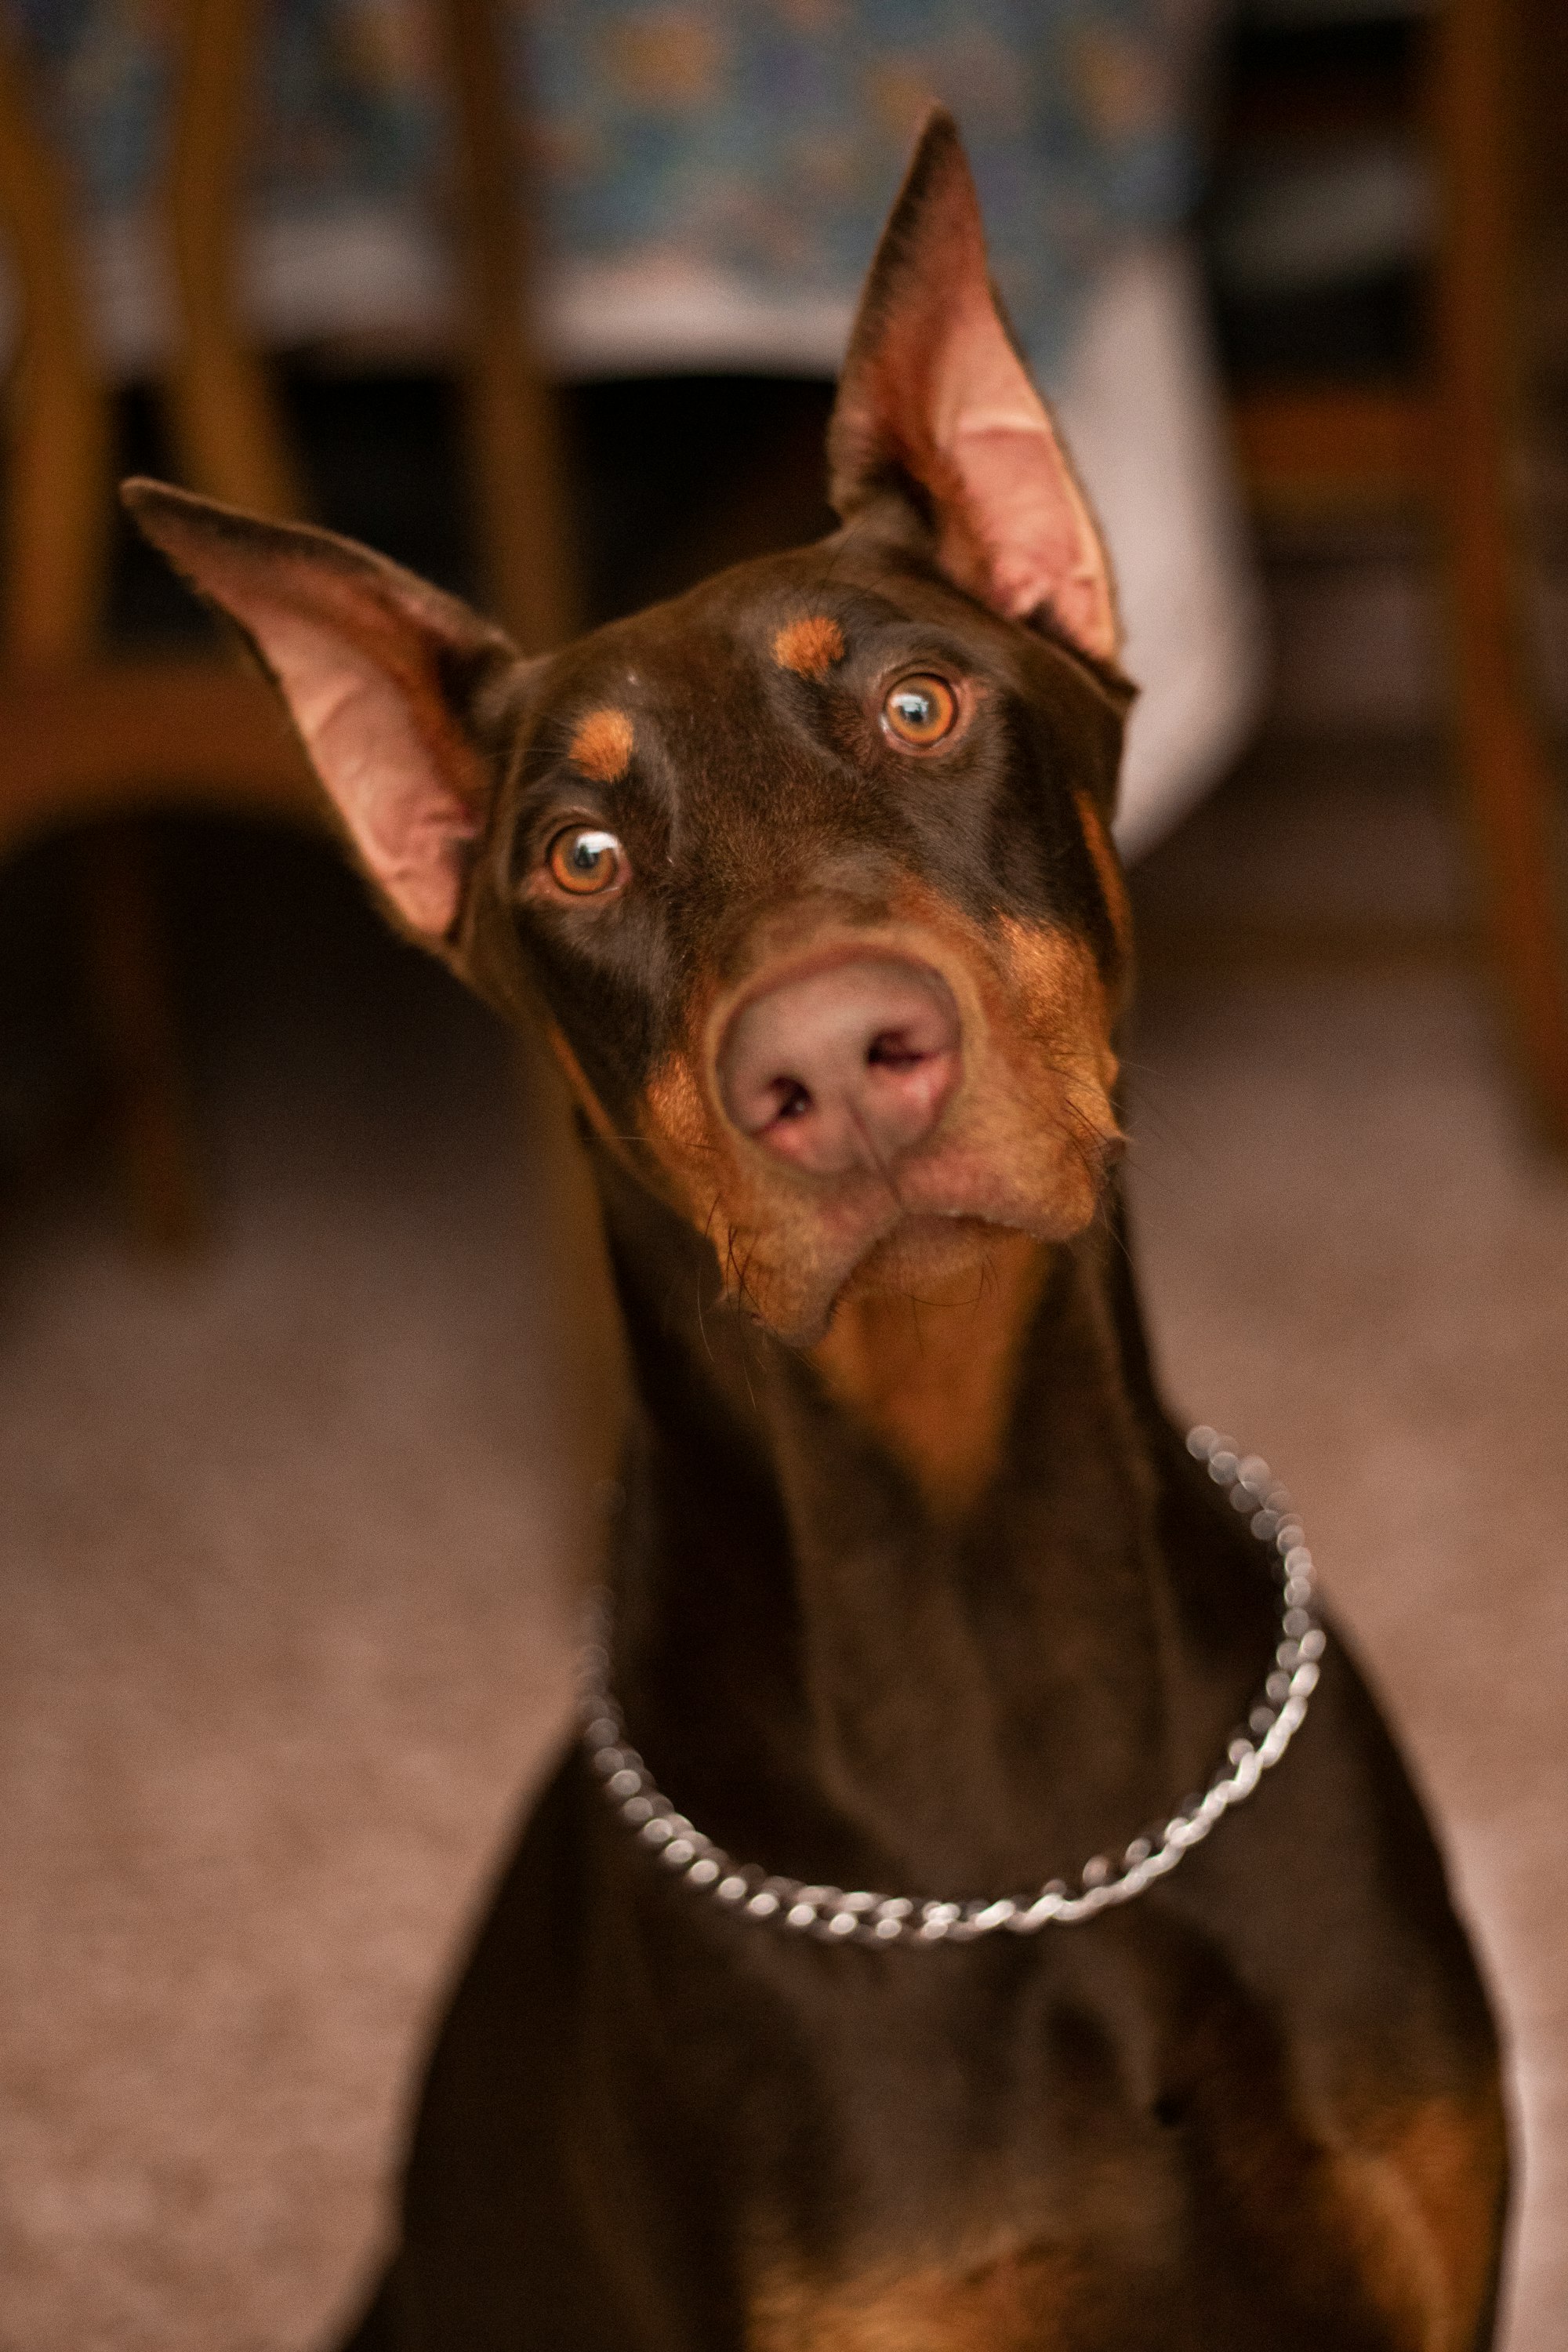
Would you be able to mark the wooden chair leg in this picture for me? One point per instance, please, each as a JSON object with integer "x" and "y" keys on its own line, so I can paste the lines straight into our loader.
{"x": 231, "y": 440}
{"x": 58, "y": 422}
{"x": 129, "y": 999}
{"x": 1512, "y": 790}
{"x": 515, "y": 455}
{"x": 1507, "y": 773}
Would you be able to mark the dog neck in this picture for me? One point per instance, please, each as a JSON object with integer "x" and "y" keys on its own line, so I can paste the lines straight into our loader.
{"x": 854, "y": 1640}
{"x": 931, "y": 1370}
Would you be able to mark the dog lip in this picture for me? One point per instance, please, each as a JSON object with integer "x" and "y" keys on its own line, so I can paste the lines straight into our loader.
{"x": 814, "y": 1314}
{"x": 935, "y": 1197}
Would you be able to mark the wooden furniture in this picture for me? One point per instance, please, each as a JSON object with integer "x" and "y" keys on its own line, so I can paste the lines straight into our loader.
{"x": 85, "y": 738}
{"x": 1445, "y": 444}
{"x": 90, "y": 740}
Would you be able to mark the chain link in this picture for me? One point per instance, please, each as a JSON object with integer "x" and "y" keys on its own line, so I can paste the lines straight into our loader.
{"x": 860, "y": 1917}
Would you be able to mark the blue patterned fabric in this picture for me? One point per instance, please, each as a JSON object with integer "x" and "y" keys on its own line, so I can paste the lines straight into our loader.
{"x": 761, "y": 139}
{"x": 768, "y": 137}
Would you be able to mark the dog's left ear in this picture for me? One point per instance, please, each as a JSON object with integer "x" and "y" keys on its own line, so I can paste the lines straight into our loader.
{"x": 936, "y": 413}
{"x": 384, "y": 676}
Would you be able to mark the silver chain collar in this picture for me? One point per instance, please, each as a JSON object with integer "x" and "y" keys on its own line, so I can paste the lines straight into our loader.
{"x": 862, "y": 1917}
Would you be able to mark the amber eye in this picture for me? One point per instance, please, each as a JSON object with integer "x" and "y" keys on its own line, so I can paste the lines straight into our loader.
{"x": 919, "y": 710}
{"x": 585, "y": 860}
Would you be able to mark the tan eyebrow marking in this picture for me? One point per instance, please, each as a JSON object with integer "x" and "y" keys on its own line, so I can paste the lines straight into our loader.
{"x": 601, "y": 745}
{"x": 809, "y": 647}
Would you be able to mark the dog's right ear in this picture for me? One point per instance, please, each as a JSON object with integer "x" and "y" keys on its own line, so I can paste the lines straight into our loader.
{"x": 382, "y": 675}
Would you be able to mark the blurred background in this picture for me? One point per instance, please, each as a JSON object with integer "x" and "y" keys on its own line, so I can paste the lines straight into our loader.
{"x": 296, "y": 1411}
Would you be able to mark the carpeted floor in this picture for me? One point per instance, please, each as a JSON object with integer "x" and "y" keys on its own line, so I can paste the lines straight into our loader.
{"x": 281, "y": 1626}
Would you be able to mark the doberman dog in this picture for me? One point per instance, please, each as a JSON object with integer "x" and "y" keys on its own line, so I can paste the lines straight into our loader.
{"x": 914, "y": 1585}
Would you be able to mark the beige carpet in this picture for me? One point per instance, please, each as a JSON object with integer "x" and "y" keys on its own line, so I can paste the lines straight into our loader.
{"x": 281, "y": 1629}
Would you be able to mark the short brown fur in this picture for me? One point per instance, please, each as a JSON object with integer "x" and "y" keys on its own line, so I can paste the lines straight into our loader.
{"x": 1108, "y": 869}
{"x": 1016, "y": 2299}
{"x": 930, "y": 1365}
{"x": 809, "y": 647}
{"x": 602, "y": 745}
{"x": 1423, "y": 2199}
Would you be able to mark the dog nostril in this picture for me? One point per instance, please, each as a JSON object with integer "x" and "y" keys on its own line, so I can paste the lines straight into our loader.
{"x": 893, "y": 1050}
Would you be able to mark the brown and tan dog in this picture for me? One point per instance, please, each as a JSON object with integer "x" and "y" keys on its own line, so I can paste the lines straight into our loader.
{"x": 914, "y": 1585}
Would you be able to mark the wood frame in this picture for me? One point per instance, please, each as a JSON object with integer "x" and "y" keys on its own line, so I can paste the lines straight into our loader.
{"x": 1511, "y": 784}
{"x": 514, "y": 443}
{"x": 92, "y": 740}
{"x": 1446, "y": 448}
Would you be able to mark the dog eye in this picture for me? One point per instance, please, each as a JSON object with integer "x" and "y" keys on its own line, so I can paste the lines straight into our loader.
{"x": 585, "y": 860}
{"x": 919, "y": 710}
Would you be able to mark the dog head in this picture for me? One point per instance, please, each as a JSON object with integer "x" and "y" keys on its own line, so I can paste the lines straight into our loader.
{"x": 808, "y": 870}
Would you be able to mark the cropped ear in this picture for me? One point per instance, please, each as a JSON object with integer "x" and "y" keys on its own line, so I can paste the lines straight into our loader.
{"x": 381, "y": 673}
{"x": 936, "y": 409}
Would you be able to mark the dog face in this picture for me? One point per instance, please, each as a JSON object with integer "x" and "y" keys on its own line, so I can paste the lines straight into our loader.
{"x": 813, "y": 879}
{"x": 808, "y": 869}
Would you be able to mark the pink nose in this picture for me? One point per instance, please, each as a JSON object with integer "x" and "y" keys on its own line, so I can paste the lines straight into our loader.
{"x": 844, "y": 1068}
